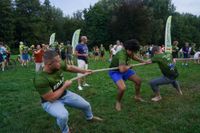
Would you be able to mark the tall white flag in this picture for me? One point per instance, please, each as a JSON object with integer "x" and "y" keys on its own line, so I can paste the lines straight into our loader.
{"x": 75, "y": 39}
{"x": 52, "y": 39}
{"x": 168, "y": 41}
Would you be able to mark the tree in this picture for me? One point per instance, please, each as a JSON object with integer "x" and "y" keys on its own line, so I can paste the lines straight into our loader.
{"x": 72, "y": 24}
{"x": 105, "y": 22}
{"x": 161, "y": 10}
{"x": 132, "y": 20}
{"x": 97, "y": 21}
{"x": 28, "y": 21}
{"x": 54, "y": 21}
{"x": 58, "y": 23}
{"x": 185, "y": 28}
{"x": 6, "y": 21}
{"x": 47, "y": 20}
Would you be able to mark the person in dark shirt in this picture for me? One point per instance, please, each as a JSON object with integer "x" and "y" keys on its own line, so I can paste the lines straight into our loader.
{"x": 185, "y": 51}
{"x": 81, "y": 52}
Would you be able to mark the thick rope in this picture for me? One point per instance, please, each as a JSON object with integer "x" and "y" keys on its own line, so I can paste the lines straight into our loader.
{"x": 133, "y": 65}
{"x": 107, "y": 69}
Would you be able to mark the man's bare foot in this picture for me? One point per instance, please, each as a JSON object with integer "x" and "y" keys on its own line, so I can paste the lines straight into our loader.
{"x": 179, "y": 91}
{"x": 139, "y": 99}
{"x": 156, "y": 98}
{"x": 118, "y": 106}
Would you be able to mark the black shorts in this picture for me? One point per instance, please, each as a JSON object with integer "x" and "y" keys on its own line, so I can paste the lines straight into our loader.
{"x": 63, "y": 56}
{"x": 102, "y": 54}
{"x": 96, "y": 54}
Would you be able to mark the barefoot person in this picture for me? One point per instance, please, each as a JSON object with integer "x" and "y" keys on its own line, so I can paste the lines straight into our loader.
{"x": 54, "y": 91}
{"x": 121, "y": 60}
{"x": 168, "y": 70}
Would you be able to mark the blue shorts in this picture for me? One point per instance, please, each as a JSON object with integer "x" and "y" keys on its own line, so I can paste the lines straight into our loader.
{"x": 116, "y": 75}
{"x": 25, "y": 57}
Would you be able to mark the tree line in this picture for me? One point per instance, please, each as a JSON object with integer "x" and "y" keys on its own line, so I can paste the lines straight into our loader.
{"x": 107, "y": 21}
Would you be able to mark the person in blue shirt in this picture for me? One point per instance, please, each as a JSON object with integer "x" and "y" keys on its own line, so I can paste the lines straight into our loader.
{"x": 185, "y": 50}
{"x": 81, "y": 52}
{"x": 2, "y": 55}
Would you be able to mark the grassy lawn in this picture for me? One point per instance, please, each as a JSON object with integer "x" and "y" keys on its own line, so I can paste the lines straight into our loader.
{"x": 21, "y": 112}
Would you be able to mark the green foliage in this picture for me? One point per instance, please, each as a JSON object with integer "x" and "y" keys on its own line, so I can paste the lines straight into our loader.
{"x": 105, "y": 22}
{"x": 186, "y": 28}
{"x": 6, "y": 21}
{"x": 130, "y": 20}
{"x": 70, "y": 25}
{"x": 28, "y": 20}
{"x": 97, "y": 21}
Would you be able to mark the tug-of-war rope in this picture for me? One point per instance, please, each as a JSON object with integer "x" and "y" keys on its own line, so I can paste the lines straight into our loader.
{"x": 107, "y": 69}
{"x": 133, "y": 65}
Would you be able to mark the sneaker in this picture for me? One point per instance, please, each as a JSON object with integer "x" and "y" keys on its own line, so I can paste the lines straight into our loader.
{"x": 95, "y": 119}
{"x": 80, "y": 88}
{"x": 86, "y": 85}
{"x": 139, "y": 99}
{"x": 156, "y": 98}
{"x": 118, "y": 106}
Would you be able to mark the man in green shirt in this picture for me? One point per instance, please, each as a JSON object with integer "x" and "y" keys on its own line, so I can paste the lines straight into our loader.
{"x": 121, "y": 60}
{"x": 168, "y": 70}
{"x": 54, "y": 90}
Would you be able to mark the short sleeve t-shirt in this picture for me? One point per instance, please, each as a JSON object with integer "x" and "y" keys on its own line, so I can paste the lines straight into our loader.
{"x": 2, "y": 50}
{"x": 82, "y": 49}
{"x": 38, "y": 56}
{"x": 121, "y": 58}
{"x": 21, "y": 46}
{"x": 185, "y": 50}
{"x": 166, "y": 65}
{"x": 7, "y": 48}
{"x": 45, "y": 82}
{"x": 197, "y": 55}
{"x": 175, "y": 49}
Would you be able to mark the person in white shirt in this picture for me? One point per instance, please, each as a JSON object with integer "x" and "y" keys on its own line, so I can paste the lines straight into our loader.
{"x": 118, "y": 46}
{"x": 197, "y": 57}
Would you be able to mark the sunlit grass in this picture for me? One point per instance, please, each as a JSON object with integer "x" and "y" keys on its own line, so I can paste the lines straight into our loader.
{"x": 21, "y": 112}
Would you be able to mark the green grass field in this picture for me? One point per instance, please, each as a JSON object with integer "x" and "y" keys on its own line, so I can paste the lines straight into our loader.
{"x": 21, "y": 112}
